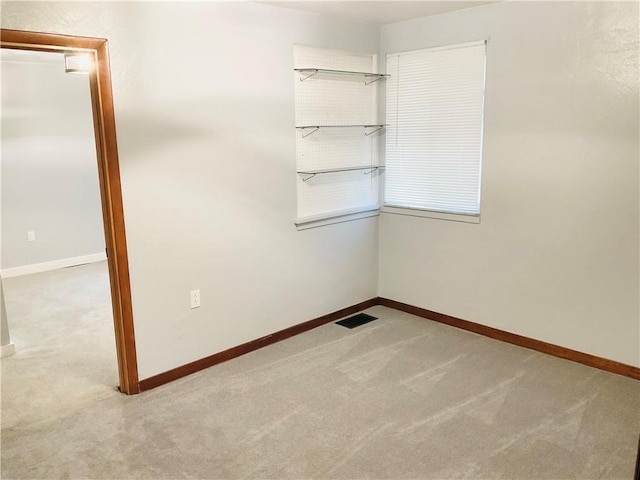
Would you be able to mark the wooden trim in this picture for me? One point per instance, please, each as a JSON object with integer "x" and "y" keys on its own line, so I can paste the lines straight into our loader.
{"x": 189, "y": 368}
{"x": 105, "y": 127}
{"x": 526, "y": 342}
{"x": 537, "y": 345}
{"x": 47, "y": 42}
{"x": 636, "y": 476}
{"x": 110, "y": 188}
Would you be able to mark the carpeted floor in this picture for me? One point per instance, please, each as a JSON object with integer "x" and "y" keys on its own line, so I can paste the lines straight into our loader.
{"x": 400, "y": 397}
{"x": 61, "y": 324}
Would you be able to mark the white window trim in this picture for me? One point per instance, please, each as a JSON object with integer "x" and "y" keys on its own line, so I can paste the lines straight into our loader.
{"x": 420, "y": 212}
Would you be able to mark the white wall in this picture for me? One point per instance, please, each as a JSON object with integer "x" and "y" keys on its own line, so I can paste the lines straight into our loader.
{"x": 6, "y": 346}
{"x": 556, "y": 254}
{"x": 204, "y": 108}
{"x": 49, "y": 168}
{"x": 205, "y": 116}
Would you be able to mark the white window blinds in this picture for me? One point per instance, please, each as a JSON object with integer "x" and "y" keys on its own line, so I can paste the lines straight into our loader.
{"x": 435, "y": 101}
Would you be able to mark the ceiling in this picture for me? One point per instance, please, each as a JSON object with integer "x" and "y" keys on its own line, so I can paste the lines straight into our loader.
{"x": 379, "y": 12}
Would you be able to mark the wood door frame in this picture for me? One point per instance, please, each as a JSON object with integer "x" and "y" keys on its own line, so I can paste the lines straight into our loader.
{"x": 110, "y": 188}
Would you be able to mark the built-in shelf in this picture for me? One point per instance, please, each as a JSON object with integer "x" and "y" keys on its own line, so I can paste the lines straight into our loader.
{"x": 318, "y": 127}
{"x": 344, "y": 102}
{"x": 310, "y": 72}
{"x": 307, "y": 174}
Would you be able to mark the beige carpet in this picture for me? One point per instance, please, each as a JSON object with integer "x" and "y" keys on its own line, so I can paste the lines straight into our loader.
{"x": 400, "y": 397}
{"x": 62, "y": 327}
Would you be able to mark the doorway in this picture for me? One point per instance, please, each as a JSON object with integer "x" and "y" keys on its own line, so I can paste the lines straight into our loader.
{"x": 96, "y": 50}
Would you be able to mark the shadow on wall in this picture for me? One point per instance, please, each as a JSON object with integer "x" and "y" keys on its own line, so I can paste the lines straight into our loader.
{"x": 223, "y": 150}
{"x": 231, "y": 120}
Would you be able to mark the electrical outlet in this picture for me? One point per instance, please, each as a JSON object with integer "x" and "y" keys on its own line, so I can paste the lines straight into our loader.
{"x": 31, "y": 236}
{"x": 195, "y": 298}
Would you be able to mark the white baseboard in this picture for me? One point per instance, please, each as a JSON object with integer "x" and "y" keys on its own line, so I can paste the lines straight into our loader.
{"x": 7, "y": 350}
{"x": 54, "y": 265}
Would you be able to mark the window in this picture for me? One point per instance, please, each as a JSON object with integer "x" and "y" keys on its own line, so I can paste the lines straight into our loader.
{"x": 435, "y": 103}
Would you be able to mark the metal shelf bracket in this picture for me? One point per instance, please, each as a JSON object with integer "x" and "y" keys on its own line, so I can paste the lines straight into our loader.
{"x": 303, "y": 78}
{"x": 373, "y": 131}
{"x": 377, "y": 79}
{"x": 315, "y": 129}
{"x": 306, "y": 176}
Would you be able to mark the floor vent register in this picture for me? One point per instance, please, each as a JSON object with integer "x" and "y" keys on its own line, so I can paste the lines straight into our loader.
{"x": 356, "y": 320}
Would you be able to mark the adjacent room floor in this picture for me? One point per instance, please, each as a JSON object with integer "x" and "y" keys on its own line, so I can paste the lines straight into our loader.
{"x": 62, "y": 326}
{"x": 400, "y": 397}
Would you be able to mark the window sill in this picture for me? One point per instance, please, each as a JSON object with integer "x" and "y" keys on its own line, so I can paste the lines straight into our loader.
{"x": 415, "y": 212}
{"x": 314, "y": 221}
